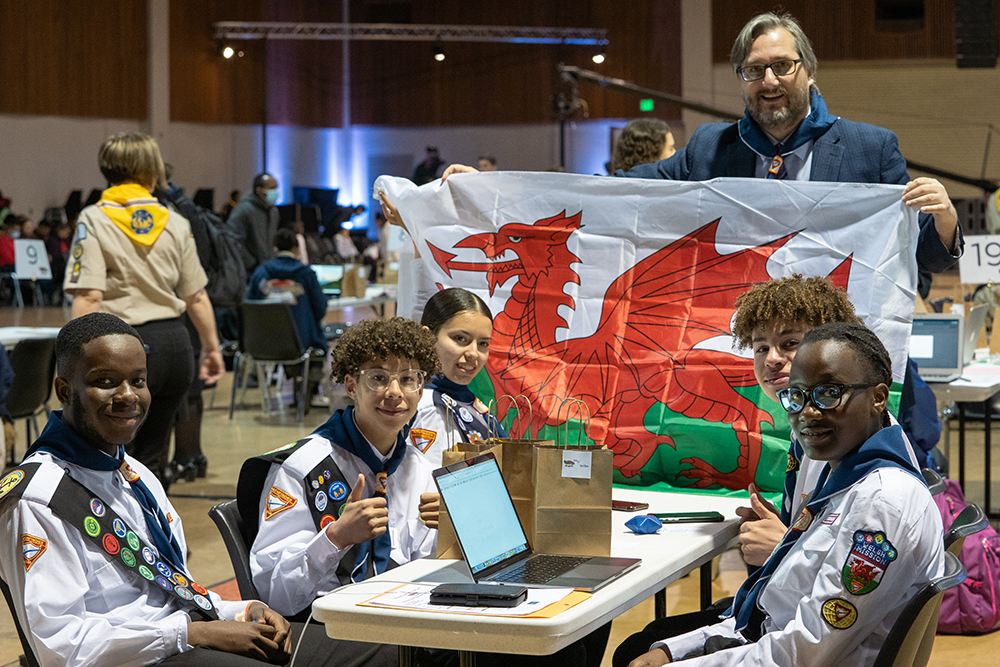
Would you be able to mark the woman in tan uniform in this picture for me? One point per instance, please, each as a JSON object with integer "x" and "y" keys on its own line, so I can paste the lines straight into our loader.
{"x": 134, "y": 258}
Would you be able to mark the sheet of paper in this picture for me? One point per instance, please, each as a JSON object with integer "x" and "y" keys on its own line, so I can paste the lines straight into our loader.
{"x": 418, "y": 596}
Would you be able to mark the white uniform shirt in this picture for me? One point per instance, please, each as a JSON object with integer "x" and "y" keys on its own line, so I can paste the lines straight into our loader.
{"x": 83, "y": 609}
{"x": 809, "y": 471}
{"x": 292, "y": 563}
{"x": 888, "y": 500}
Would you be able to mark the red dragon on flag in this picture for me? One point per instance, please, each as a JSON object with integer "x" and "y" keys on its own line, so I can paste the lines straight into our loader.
{"x": 644, "y": 354}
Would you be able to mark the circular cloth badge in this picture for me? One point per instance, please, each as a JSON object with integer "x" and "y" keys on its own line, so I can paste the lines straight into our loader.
{"x": 338, "y": 491}
{"x": 326, "y": 520}
{"x": 97, "y": 507}
{"x": 111, "y": 544}
{"x": 128, "y": 557}
{"x": 183, "y": 592}
{"x": 163, "y": 583}
{"x": 133, "y": 541}
{"x": 464, "y": 413}
{"x": 163, "y": 569}
{"x": 203, "y": 602}
{"x": 198, "y": 588}
{"x": 119, "y": 527}
{"x": 146, "y": 572}
{"x": 147, "y": 555}
{"x": 92, "y": 527}
{"x": 320, "y": 501}
{"x": 839, "y": 613}
{"x": 179, "y": 579}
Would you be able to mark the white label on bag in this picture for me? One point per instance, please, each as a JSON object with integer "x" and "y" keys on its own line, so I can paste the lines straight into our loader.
{"x": 576, "y": 464}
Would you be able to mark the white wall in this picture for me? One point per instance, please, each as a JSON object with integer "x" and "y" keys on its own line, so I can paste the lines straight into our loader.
{"x": 44, "y": 157}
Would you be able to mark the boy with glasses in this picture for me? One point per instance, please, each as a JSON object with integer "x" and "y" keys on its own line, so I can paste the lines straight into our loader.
{"x": 341, "y": 504}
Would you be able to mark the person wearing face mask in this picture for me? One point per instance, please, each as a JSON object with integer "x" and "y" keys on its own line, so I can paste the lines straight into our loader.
{"x": 463, "y": 325}
{"x": 255, "y": 220}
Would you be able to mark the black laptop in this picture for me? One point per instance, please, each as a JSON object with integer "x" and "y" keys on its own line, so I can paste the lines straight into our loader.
{"x": 494, "y": 544}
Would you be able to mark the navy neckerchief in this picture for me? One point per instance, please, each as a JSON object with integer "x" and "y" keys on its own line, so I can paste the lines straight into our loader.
{"x": 884, "y": 449}
{"x": 487, "y": 428}
{"x": 795, "y": 454}
{"x": 63, "y": 442}
{"x": 343, "y": 432}
{"x": 811, "y": 128}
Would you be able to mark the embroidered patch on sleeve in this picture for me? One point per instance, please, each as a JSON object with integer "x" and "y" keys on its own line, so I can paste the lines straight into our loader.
{"x": 839, "y": 614}
{"x": 32, "y": 547}
{"x": 422, "y": 438}
{"x": 10, "y": 480}
{"x": 871, "y": 554}
{"x": 277, "y": 502}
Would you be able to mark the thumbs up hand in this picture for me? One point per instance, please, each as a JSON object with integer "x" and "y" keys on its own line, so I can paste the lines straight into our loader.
{"x": 361, "y": 520}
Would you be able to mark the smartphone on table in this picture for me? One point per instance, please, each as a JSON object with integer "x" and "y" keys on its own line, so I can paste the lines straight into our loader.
{"x": 689, "y": 517}
{"x": 628, "y": 506}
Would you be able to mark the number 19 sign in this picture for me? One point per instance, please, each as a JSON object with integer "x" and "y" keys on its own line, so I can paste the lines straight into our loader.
{"x": 981, "y": 261}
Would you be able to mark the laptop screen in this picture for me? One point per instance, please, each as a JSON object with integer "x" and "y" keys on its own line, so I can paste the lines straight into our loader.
{"x": 482, "y": 513}
{"x": 329, "y": 276}
{"x": 936, "y": 344}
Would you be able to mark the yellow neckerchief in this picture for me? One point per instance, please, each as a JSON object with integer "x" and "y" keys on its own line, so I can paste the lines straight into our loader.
{"x": 135, "y": 211}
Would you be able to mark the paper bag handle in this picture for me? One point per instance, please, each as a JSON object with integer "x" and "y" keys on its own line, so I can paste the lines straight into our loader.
{"x": 569, "y": 404}
{"x": 513, "y": 399}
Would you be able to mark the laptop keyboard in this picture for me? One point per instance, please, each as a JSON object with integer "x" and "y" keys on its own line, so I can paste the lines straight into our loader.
{"x": 539, "y": 569}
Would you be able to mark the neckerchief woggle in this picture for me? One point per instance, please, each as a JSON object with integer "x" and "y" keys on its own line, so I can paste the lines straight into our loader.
{"x": 813, "y": 127}
{"x": 795, "y": 454}
{"x": 885, "y": 449}
{"x": 134, "y": 211}
{"x": 461, "y": 394}
{"x": 60, "y": 440}
{"x": 342, "y": 431}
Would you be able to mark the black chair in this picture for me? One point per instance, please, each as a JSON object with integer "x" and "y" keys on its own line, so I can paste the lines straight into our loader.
{"x": 34, "y": 364}
{"x": 227, "y": 517}
{"x": 910, "y": 641}
{"x": 969, "y": 521}
{"x": 268, "y": 336}
{"x": 28, "y": 659}
{"x": 935, "y": 482}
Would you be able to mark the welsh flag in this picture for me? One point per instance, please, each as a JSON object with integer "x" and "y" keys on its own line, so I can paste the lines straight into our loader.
{"x": 620, "y": 293}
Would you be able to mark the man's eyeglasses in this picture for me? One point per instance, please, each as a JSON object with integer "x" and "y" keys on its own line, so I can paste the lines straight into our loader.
{"x": 378, "y": 380}
{"x": 823, "y": 396}
{"x": 779, "y": 67}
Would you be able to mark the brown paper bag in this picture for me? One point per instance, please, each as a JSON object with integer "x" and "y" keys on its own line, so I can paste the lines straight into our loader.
{"x": 572, "y": 515}
{"x": 355, "y": 280}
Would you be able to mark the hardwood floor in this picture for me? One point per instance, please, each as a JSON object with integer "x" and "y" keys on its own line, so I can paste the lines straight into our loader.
{"x": 228, "y": 443}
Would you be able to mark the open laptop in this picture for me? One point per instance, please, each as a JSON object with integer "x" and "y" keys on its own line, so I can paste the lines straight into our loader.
{"x": 329, "y": 276}
{"x": 494, "y": 544}
{"x": 936, "y": 343}
{"x": 973, "y": 325}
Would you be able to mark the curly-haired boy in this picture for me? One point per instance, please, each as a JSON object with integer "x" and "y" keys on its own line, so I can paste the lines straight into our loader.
{"x": 340, "y": 504}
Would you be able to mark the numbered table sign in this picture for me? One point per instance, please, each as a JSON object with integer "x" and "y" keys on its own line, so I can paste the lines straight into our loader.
{"x": 31, "y": 261}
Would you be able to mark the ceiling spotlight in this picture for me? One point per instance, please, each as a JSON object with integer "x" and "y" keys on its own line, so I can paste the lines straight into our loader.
{"x": 227, "y": 51}
{"x": 438, "y": 52}
{"x": 598, "y": 57}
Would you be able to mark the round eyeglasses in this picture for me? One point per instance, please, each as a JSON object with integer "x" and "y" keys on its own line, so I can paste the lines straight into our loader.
{"x": 378, "y": 380}
{"x": 823, "y": 396}
{"x": 779, "y": 67}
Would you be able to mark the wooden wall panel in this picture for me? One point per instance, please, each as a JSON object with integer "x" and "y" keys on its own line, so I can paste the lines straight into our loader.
{"x": 843, "y": 29}
{"x": 83, "y": 58}
{"x": 399, "y": 83}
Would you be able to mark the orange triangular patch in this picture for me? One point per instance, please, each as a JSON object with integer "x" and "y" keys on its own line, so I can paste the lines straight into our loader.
{"x": 32, "y": 547}
{"x": 277, "y": 502}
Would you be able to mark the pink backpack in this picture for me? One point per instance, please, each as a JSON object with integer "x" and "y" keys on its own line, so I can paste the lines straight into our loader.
{"x": 972, "y": 607}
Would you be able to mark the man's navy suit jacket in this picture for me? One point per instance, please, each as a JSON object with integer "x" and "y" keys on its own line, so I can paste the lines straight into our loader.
{"x": 848, "y": 152}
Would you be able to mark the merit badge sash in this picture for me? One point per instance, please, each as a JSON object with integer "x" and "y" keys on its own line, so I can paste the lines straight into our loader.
{"x": 75, "y": 504}
{"x": 327, "y": 491}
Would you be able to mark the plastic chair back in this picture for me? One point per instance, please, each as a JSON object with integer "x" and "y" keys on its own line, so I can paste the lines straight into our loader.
{"x": 910, "y": 641}
{"x": 935, "y": 482}
{"x": 227, "y": 517}
{"x": 969, "y": 521}
{"x": 268, "y": 333}
{"x": 34, "y": 364}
